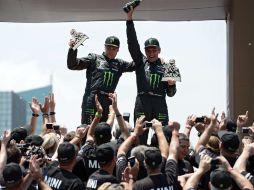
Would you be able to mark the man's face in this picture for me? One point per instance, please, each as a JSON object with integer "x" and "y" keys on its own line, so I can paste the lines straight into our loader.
{"x": 183, "y": 149}
{"x": 152, "y": 53}
{"x": 111, "y": 51}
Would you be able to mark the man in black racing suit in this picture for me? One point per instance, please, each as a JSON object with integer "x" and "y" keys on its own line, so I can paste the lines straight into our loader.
{"x": 102, "y": 74}
{"x": 150, "y": 100}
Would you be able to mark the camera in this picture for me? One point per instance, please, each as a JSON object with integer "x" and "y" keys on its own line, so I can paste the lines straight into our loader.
{"x": 49, "y": 125}
{"x": 56, "y": 127}
{"x": 214, "y": 163}
{"x": 131, "y": 160}
{"x": 246, "y": 130}
{"x": 148, "y": 124}
{"x": 126, "y": 116}
{"x": 133, "y": 4}
{"x": 200, "y": 119}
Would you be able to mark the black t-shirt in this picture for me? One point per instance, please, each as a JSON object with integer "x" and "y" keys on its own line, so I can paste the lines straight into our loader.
{"x": 184, "y": 167}
{"x": 160, "y": 181}
{"x": 86, "y": 159}
{"x": 98, "y": 178}
{"x": 61, "y": 179}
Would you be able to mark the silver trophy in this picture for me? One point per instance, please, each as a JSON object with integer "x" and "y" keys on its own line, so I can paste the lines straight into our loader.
{"x": 78, "y": 37}
{"x": 171, "y": 71}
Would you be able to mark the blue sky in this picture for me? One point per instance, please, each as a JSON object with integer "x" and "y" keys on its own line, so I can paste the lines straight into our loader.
{"x": 31, "y": 52}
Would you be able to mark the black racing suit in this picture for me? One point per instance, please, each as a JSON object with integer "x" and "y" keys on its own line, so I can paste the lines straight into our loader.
{"x": 150, "y": 100}
{"x": 102, "y": 76}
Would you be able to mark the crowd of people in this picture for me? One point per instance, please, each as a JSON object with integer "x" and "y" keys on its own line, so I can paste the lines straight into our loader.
{"x": 106, "y": 153}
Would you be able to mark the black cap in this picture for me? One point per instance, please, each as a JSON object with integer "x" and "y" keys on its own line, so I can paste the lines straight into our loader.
{"x": 153, "y": 157}
{"x": 152, "y": 42}
{"x": 231, "y": 126}
{"x": 112, "y": 41}
{"x": 102, "y": 132}
{"x": 105, "y": 153}
{"x": 12, "y": 173}
{"x": 19, "y": 134}
{"x": 229, "y": 140}
{"x": 34, "y": 140}
{"x": 220, "y": 179}
{"x": 66, "y": 152}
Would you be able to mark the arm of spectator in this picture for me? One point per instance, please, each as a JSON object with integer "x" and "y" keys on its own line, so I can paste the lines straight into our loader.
{"x": 204, "y": 138}
{"x": 163, "y": 144}
{"x": 223, "y": 121}
{"x": 80, "y": 134}
{"x": 174, "y": 143}
{"x": 138, "y": 130}
{"x": 239, "y": 179}
{"x": 36, "y": 174}
{"x": 240, "y": 164}
{"x": 52, "y": 105}
{"x": 204, "y": 166}
{"x": 241, "y": 122}
{"x": 96, "y": 120}
{"x": 111, "y": 116}
{"x": 119, "y": 117}
{"x": 190, "y": 122}
{"x": 35, "y": 108}
{"x": 3, "y": 152}
{"x": 45, "y": 115}
{"x": 130, "y": 174}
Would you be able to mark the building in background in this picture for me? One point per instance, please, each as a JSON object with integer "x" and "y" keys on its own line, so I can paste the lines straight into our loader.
{"x": 12, "y": 111}
{"x": 39, "y": 93}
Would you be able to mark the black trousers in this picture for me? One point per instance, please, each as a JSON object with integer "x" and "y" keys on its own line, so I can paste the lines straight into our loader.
{"x": 152, "y": 107}
{"x": 89, "y": 107}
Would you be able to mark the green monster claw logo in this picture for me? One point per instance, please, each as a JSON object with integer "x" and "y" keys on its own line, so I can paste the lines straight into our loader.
{"x": 154, "y": 80}
{"x": 108, "y": 78}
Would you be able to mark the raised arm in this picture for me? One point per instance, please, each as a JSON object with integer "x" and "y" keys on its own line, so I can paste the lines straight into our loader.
{"x": 174, "y": 144}
{"x": 163, "y": 144}
{"x": 204, "y": 166}
{"x": 96, "y": 120}
{"x": 133, "y": 45}
{"x": 119, "y": 117}
{"x": 239, "y": 179}
{"x": 35, "y": 108}
{"x": 190, "y": 122}
{"x": 74, "y": 63}
{"x": 204, "y": 138}
{"x": 3, "y": 153}
{"x": 52, "y": 105}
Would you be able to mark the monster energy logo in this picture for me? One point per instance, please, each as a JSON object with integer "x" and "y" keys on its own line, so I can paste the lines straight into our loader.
{"x": 108, "y": 78}
{"x": 154, "y": 80}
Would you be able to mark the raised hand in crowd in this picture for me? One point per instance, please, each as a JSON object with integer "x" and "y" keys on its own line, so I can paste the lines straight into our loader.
{"x": 52, "y": 105}
{"x": 223, "y": 121}
{"x": 119, "y": 117}
{"x": 204, "y": 166}
{"x": 242, "y": 119}
{"x": 111, "y": 116}
{"x": 35, "y": 108}
{"x": 3, "y": 153}
{"x": 190, "y": 122}
{"x": 163, "y": 144}
{"x": 212, "y": 128}
{"x": 239, "y": 179}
